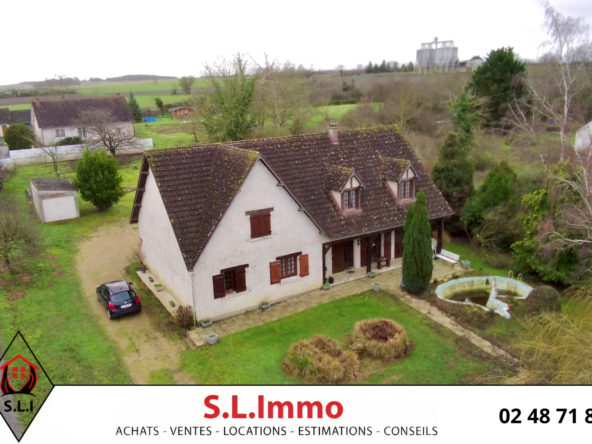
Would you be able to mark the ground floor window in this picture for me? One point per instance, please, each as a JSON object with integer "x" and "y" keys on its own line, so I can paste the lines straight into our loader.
{"x": 82, "y": 133}
{"x": 288, "y": 266}
{"x": 60, "y": 133}
{"x": 230, "y": 280}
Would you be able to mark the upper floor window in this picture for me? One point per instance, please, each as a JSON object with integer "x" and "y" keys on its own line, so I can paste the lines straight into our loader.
{"x": 350, "y": 199}
{"x": 260, "y": 222}
{"x": 60, "y": 133}
{"x": 407, "y": 189}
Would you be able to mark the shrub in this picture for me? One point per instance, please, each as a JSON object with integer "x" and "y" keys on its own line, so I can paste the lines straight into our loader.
{"x": 183, "y": 318}
{"x": 543, "y": 299}
{"x": 382, "y": 338}
{"x": 320, "y": 359}
{"x": 98, "y": 179}
{"x": 18, "y": 137}
{"x": 69, "y": 141}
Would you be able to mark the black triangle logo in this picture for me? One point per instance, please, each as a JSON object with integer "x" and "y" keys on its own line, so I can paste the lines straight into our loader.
{"x": 24, "y": 386}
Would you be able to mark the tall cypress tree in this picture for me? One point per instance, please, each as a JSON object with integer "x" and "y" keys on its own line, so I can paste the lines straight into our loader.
{"x": 417, "y": 247}
{"x": 135, "y": 107}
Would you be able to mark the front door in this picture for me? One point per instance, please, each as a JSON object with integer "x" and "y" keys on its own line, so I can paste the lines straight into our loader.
{"x": 4, "y": 128}
{"x": 398, "y": 243}
{"x": 342, "y": 256}
{"x": 348, "y": 254}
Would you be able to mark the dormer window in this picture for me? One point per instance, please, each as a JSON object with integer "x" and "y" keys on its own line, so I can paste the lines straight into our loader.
{"x": 399, "y": 177}
{"x": 407, "y": 189}
{"x": 350, "y": 199}
{"x": 344, "y": 186}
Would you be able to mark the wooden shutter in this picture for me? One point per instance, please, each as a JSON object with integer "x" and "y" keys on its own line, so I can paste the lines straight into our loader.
{"x": 240, "y": 280}
{"x": 387, "y": 245}
{"x": 219, "y": 287}
{"x": 304, "y": 265}
{"x": 275, "y": 272}
{"x": 255, "y": 225}
{"x": 265, "y": 224}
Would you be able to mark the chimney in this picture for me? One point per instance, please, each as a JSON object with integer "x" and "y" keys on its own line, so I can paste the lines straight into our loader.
{"x": 333, "y": 133}
{"x": 37, "y": 102}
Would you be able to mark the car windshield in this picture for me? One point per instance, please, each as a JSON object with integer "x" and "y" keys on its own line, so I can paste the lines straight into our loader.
{"x": 123, "y": 296}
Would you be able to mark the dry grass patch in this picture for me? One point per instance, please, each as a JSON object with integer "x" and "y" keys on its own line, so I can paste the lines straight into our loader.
{"x": 381, "y": 338}
{"x": 321, "y": 360}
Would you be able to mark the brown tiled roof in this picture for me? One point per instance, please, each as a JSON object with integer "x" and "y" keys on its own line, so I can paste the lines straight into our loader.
{"x": 197, "y": 185}
{"x": 51, "y": 114}
{"x": 393, "y": 169}
{"x": 300, "y": 163}
{"x": 4, "y": 115}
{"x": 336, "y": 177}
{"x": 21, "y": 116}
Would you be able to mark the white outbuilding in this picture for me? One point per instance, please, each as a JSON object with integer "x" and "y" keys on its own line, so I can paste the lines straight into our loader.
{"x": 54, "y": 199}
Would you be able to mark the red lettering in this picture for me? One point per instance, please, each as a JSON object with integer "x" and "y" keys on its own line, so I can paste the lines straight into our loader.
{"x": 329, "y": 409}
{"x": 309, "y": 408}
{"x": 210, "y": 405}
{"x": 261, "y": 407}
{"x": 235, "y": 413}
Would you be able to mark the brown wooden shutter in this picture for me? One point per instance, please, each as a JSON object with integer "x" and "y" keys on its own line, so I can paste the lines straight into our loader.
{"x": 219, "y": 287}
{"x": 275, "y": 272}
{"x": 255, "y": 225}
{"x": 265, "y": 224}
{"x": 304, "y": 265}
{"x": 387, "y": 245}
{"x": 240, "y": 280}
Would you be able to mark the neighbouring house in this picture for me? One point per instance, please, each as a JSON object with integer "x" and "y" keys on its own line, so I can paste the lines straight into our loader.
{"x": 227, "y": 226}
{"x": 52, "y": 121}
{"x": 584, "y": 138}
{"x": 181, "y": 112}
{"x": 54, "y": 199}
{"x": 10, "y": 117}
{"x": 470, "y": 65}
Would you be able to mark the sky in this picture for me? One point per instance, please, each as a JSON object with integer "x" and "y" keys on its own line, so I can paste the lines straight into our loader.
{"x": 118, "y": 37}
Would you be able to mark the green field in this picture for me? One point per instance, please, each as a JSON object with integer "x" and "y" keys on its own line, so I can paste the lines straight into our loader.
{"x": 52, "y": 312}
{"x": 254, "y": 356}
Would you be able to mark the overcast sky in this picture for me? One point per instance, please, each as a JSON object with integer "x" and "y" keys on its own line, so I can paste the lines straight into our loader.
{"x": 117, "y": 37}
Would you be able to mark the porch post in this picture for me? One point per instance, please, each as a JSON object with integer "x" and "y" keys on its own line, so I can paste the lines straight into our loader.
{"x": 325, "y": 249}
{"x": 369, "y": 254}
{"x": 440, "y": 232}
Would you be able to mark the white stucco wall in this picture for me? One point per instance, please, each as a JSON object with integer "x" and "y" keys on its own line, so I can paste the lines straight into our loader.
{"x": 161, "y": 251}
{"x": 48, "y": 137}
{"x": 231, "y": 245}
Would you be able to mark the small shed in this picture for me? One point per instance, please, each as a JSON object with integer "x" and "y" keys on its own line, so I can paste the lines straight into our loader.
{"x": 180, "y": 112}
{"x": 54, "y": 199}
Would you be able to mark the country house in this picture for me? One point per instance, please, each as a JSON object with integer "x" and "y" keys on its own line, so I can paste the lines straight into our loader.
{"x": 227, "y": 226}
{"x": 52, "y": 121}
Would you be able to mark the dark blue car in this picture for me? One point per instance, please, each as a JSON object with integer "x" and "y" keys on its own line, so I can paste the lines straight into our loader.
{"x": 118, "y": 298}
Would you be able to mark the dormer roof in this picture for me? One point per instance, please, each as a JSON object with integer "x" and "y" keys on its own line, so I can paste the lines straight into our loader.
{"x": 392, "y": 168}
{"x": 337, "y": 178}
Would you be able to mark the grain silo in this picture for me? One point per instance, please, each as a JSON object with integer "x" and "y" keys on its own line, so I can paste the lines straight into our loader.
{"x": 437, "y": 56}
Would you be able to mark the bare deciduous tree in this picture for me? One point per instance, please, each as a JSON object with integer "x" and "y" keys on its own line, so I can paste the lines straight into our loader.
{"x": 101, "y": 130}
{"x": 19, "y": 236}
{"x": 556, "y": 83}
{"x": 53, "y": 152}
{"x": 7, "y": 171}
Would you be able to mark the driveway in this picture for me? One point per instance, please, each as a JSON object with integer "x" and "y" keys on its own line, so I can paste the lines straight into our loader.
{"x": 103, "y": 258}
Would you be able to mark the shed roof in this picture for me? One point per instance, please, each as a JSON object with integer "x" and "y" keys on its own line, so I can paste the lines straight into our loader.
{"x": 53, "y": 184}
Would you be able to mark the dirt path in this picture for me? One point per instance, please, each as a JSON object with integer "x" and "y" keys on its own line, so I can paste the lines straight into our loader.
{"x": 103, "y": 258}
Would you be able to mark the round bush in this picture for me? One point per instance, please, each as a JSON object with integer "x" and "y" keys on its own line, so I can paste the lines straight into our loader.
{"x": 541, "y": 299}
{"x": 320, "y": 359}
{"x": 382, "y": 338}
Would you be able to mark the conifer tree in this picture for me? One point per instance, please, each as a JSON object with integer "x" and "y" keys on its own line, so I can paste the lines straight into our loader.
{"x": 98, "y": 179}
{"x": 417, "y": 247}
{"x": 135, "y": 107}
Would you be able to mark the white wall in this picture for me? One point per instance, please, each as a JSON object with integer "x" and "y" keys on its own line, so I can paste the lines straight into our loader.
{"x": 161, "y": 251}
{"x": 584, "y": 137}
{"x": 71, "y": 152}
{"x": 47, "y": 135}
{"x": 53, "y": 205}
{"x": 231, "y": 245}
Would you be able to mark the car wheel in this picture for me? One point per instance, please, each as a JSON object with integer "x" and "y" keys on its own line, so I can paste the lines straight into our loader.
{"x": 109, "y": 315}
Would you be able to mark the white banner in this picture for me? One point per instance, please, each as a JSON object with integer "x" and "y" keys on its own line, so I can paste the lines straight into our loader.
{"x": 339, "y": 414}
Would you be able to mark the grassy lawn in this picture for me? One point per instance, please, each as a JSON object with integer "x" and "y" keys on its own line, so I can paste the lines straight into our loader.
{"x": 466, "y": 252}
{"x": 255, "y": 356}
{"x": 53, "y": 315}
